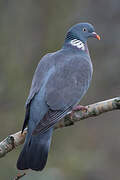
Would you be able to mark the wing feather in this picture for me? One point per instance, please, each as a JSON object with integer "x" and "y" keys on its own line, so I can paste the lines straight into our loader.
{"x": 49, "y": 120}
{"x": 68, "y": 84}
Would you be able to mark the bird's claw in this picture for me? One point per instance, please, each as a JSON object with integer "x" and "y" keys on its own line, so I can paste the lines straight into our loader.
{"x": 78, "y": 108}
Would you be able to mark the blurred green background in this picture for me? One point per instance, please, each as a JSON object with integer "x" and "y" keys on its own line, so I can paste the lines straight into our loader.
{"x": 90, "y": 150}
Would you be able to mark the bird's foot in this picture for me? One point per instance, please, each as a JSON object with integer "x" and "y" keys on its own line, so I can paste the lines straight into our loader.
{"x": 78, "y": 108}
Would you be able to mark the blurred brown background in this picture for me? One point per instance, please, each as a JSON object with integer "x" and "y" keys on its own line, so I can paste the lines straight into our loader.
{"x": 29, "y": 29}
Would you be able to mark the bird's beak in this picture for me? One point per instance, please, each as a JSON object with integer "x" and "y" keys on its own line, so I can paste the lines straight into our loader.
{"x": 94, "y": 34}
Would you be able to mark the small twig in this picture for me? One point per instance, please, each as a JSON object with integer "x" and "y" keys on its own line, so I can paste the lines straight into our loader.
{"x": 19, "y": 176}
{"x": 16, "y": 139}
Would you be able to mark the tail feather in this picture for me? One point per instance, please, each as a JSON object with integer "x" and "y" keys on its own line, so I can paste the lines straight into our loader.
{"x": 35, "y": 152}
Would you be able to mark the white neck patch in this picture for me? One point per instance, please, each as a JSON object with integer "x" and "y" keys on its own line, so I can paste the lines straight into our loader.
{"x": 77, "y": 43}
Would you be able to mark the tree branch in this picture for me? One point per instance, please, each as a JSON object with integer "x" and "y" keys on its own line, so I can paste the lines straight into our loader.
{"x": 16, "y": 139}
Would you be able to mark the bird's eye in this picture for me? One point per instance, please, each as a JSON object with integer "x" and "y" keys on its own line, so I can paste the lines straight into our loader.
{"x": 84, "y": 29}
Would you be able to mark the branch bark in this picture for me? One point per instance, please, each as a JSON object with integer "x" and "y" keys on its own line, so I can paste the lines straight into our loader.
{"x": 14, "y": 140}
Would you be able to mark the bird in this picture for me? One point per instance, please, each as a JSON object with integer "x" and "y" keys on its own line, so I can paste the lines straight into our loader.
{"x": 60, "y": 81}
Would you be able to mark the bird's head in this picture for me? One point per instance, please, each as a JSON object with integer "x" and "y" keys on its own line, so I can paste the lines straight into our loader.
{"x": 82, "y": 32}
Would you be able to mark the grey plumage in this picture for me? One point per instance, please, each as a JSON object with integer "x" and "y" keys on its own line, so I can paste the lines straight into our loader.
{"x": 60, "y": 81}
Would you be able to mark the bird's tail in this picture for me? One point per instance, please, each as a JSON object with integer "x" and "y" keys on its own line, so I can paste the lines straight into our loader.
{"x": 35, "y": 151}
